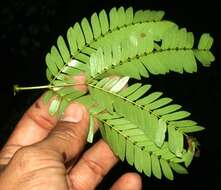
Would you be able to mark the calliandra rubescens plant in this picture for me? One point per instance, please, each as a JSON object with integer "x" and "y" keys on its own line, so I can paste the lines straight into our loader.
{"x": 143, "y": 128}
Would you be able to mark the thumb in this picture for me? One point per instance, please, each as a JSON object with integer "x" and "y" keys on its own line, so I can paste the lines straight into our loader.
{"x": 68, "y": 137}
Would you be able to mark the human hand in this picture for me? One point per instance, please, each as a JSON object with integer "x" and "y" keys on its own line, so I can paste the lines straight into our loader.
{"x": 45, "y": 152}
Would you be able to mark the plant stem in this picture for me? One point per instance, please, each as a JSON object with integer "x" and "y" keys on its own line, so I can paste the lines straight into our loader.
{"x": 17, "y": 88}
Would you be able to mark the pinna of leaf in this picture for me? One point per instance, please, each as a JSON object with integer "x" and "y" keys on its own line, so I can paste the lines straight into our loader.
{"x": 141, "y": 127}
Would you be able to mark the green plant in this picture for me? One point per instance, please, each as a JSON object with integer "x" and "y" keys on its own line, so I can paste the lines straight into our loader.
{"x": 140, "y": 127}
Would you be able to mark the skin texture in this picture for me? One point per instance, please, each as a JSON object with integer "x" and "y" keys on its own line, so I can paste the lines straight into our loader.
{"x": 46, "y": 152}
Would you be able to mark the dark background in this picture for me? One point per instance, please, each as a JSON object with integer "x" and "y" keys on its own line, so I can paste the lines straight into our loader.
{"x": 29, "y": 28}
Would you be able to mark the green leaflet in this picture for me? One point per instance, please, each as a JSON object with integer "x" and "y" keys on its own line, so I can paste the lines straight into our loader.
{"x": 139, "y": 159}
{"x": 79, "y": 36}
{"x": 189, "y": 40}
{"x": 113, "y": 18}
{"x": 54, "y": 106}
{"x": 191, "y": 129}
{"x": 159, "y": 103}
{"x": 51, "y": 65}
{"x": 167, "y": 109}
{"x": 120, "y": 121}
{"x": 176, "y": 115}
{"x": 49, "y": 75}
{"x": 129, "y": 16}
{"x": 66, "y": 90}
{"x": 148, "y": 15}
{"x": 153, "y": 64}
{"x": 71, "y": 71}
{"x": 150, "y": 98}
{"x": 147, "y": 163}
{"x": 47, "y": 96}
{"x": 87, "y": 100}
{"x": 188, "y": 156}
{"x": 156, "y": 166}
{"x": 73, "y": 96}
{"x": 108, "y": 135}
{"x": 91, "y": 130}
{"x": 104, "y": 22}
{"x": 111, "y": 83}
{"x": 166, "y": 169}
{"x": 146, "y": 44}
{"x": 87, "y": 30}
{"x": 160, "y": 133}
{"x": 183, "y": 123}
{"x": 119, "y": 85}
{"x": 140, "y": 68}
{"x": 175, "y": 141}
{"x": 57, "y": 57}
{"x": 165, "y": 153}
{"x": 140, "y": 92}
{"x": 95, "y": 25}
{"x": 121, "y": 14}
{"x": 130, "y": 90}
{"x": 63, "y": 105}
{"x": 72, "y": 41}
{"x": 186, "y": 126}
{"x": 115, "y": 137}
{"x": 122, "y": 147}
{"x": 102, "y": 82}
{"x": 206, "y": 42}
{"x": 178, "y": 168}
{"x": 82, "y": 57}
{"x": 96, "y": 110}
{"x": 125, "y": 71}
{"x": 205, "y": 57}
{"x": 104, "y": 116}
{"x": 130, "y": 152}
{"x": 63, "y": 49}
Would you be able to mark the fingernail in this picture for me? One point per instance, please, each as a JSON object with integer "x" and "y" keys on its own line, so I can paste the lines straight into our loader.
{"x": 73, "y": 113}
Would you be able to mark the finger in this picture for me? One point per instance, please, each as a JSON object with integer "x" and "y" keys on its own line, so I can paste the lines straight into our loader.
{"x": 68, "y": 137}
{"x": 93, "y": 166}
{"x": 35, "y": 125}
{"x": 128, "y": 181}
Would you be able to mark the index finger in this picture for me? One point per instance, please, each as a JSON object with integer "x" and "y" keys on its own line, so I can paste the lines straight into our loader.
{"x": 34, "y": 126}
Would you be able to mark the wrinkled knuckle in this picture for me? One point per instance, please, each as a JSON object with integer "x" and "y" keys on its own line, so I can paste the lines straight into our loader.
{"x": 7, "y": 153}
{"x": 26, "y": 157}
{"x": 66, "y": 133}
{"x": 94, "y": 166}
